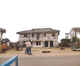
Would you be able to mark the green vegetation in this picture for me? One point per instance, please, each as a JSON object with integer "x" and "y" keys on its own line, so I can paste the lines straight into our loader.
{"x": 75, "y": 42}
{"x": 65, "y": 42}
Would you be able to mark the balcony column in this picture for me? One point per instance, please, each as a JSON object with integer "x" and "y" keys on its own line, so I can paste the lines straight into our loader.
{"x": 42, "y": 44}
{"x": 49, "y": 44}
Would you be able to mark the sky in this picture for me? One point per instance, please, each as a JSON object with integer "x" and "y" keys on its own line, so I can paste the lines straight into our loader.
{"x": 19, "y": 15}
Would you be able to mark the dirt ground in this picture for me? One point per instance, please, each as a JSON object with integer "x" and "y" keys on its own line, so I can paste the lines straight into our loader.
{"x": 38, "y": 52}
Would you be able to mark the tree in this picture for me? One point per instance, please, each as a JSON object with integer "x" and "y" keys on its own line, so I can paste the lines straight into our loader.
{"x": 65, "y": 42}
{"x": 75, "y": 42}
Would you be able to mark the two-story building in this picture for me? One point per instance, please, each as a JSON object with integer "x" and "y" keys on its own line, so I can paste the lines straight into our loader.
{"x": 1, "y": 32}
{"x": 41, "y": 37}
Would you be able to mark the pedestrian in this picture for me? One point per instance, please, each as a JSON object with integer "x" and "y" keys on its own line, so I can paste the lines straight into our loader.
{"x": 28, "y": 48}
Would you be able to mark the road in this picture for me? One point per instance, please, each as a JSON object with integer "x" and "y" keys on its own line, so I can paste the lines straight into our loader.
{"x": 49, "y": 61}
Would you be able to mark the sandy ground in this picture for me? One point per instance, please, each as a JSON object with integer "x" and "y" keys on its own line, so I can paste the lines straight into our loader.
{"x": 38, "y": 52}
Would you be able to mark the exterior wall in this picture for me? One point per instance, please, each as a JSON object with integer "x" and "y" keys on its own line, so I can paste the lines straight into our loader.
{"x": 56, "y": 40}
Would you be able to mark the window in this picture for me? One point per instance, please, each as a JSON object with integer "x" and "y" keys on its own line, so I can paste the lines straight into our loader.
{"x": 25, "y": 35}
{"x": 53, "y": 34}
{"x": 38, "y": 34}
{"x": 38, "y": 43}
{"x": 32, "y": 34}
{"x": 44, "y": 34}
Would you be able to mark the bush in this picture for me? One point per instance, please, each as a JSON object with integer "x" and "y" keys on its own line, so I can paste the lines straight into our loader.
{"x": 65, "y": 43}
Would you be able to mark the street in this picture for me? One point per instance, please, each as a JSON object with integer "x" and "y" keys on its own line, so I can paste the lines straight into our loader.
{"x": 49, "y": 61}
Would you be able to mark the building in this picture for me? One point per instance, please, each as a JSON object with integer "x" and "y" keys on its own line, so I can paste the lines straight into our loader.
{"x": 75, "y": 37}
{"x": 1, "y": 32}
{"x": 75, "y": 32}
{"x": 41, "y": 37}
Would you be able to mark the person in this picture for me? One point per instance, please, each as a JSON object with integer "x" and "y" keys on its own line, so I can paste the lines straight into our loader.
{"x": 28, "y": 48}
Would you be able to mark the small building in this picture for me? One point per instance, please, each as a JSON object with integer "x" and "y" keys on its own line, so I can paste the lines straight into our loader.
{"x": 1, "y": 32}
{"x": 40, "y": 37}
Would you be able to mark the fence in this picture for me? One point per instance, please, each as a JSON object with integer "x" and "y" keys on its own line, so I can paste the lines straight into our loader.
{"x": 11, "y": 61}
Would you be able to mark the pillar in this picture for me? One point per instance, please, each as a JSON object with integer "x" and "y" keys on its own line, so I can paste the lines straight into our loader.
{"x": 49, "y": 44}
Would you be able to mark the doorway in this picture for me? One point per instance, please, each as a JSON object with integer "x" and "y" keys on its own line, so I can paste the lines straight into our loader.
{"x": 46, "y": 43}
{"x": 51, "y": 43}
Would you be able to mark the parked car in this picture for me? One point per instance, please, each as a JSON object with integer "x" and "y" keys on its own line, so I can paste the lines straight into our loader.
{"x": 76, "y": 49}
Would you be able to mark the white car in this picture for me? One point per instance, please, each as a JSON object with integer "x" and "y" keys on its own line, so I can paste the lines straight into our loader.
{"x": 76, "y": 49}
